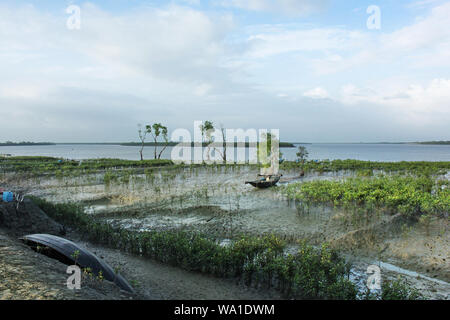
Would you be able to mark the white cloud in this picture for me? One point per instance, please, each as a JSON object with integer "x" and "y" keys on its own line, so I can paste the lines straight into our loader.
{"x": 425, "y": 43}
{"x": 430, "y": 99}
{"x": 169, "y": 42}
{"x": 22, "y": 91}
{"x": 191, "y": 2}
{"x": 423, "y": 3}
{"x": 414, "y": 104}
{"x": 171, "y": 49}
{"x": 175, "y": 64}
{"x": 149, "y": 63}
{"x": 289, "y": 7}
{"x": 174, "y": 43}
{"x": 316, "y": 93}
{"x": 423, "y": 34}
{"x": 202, "y": 89}
{"x": 307, "y": 40}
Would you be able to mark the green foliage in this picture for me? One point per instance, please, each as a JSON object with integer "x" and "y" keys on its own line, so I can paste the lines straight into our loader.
{"x": 75, "y": 255}
{"x": 157, "y": 130}
{"x": 405, "y": 194}
{"x": 399, "y": 290}
{"x": 265, "y": 154}
{"x": 302, "y": 154}
{"x": 207, "y": 129}
{"x": 41, "y": 166}
{"x": 422, "y": 168}
{"x": 25, "y": 143}
{"x": 310, "y": 273}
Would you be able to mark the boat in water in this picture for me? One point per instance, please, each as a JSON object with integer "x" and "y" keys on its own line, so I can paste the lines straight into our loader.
{"x": 265, "y": 181}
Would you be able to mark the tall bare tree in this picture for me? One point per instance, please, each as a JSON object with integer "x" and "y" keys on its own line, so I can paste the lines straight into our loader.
{"x": 142, "y": 136}
{"x": 223, "y": 153}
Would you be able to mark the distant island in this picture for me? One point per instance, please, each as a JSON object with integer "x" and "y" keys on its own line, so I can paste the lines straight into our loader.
{"x": 218, "y": 144}
{"x": 25, "y": 143}
{"x": 384, "y": 142}
{"x": 435, "y": 142}
{"x": 127, "y": 144}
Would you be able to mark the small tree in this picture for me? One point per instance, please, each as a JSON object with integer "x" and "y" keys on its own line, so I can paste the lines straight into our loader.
{"x": 224, "y": 143}
{"x": 223, "y": 153}
{"x": 158, "y": 130}
{"x": 207, "y": 130}
{"x": 302, "y": 154}
{"x": 166, "y": 141}
{"x": 269, "y": 154}
{"x": 267, "y": 139}
{"x": 142, "y": 136}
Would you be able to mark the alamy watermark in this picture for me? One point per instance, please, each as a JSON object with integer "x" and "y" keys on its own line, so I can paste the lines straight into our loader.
{"x": 74, "y": 20}
{"x": 253, "y": 146}
{"x": 374, "y": 20}
{"x": 374, "y": 279}
{"x": 74, "y": 280}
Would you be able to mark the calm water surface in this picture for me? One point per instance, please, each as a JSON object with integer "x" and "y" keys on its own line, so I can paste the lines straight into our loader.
{"x": 372, "y": 152}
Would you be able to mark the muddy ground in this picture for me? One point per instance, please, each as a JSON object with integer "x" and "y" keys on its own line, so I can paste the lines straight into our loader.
{"x": 217, "y": 202}
{"x": 26, "y": 274}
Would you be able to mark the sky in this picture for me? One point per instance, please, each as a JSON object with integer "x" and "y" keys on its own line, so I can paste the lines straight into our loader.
{"x": 317, "y": 70}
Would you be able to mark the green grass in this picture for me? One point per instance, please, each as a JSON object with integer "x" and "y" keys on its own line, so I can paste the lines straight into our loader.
{"x": 415, "y": 167}
{"x": 48, "y": 166}
{"x": 399, "y": 289}
{"x": 38, "y": 166}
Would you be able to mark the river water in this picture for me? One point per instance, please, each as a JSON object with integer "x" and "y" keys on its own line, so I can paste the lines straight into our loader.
{"x": 320, "y": 151}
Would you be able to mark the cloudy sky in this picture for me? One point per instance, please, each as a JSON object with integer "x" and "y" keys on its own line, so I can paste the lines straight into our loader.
{"x": 311, "y": 68}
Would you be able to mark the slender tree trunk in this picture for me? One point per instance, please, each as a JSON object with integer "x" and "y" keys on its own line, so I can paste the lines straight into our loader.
{"x": 224, "y": 156}
{"x": 208, "y": 157}
{"x": 140, "y": 151}
{"x": 225, "y": 153}
{"x": 160, "y": 153}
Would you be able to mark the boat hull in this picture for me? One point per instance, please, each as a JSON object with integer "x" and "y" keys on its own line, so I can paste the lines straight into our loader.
{"x": 264, "y": 184}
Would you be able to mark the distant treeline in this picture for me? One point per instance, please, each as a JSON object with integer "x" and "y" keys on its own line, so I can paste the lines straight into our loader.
{"x": 25, "y": 143}
{"x": 216, "y": 144}
{"x": 434, "y": 142}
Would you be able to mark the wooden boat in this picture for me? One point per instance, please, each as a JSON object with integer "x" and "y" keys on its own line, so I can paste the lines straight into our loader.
{"x": 63, "y": 250}
{"x": 265, "y": 181}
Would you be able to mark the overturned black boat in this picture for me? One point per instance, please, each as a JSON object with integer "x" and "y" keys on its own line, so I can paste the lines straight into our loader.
{"x": 265, "y": 181}
{"x": 64, "y": 251}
